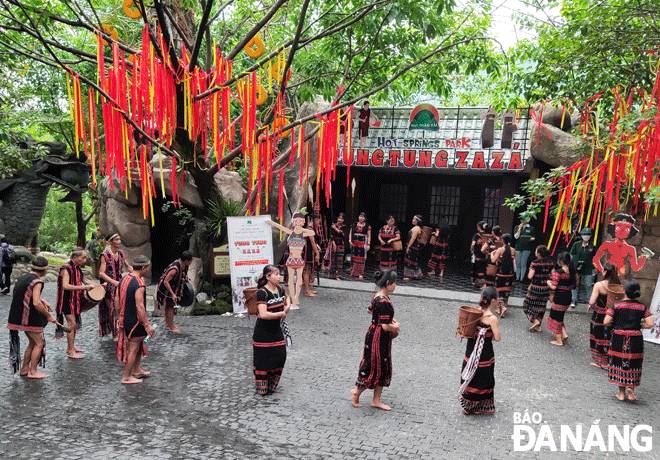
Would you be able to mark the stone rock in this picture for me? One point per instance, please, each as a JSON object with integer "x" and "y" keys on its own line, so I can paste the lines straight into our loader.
{"x": 195, "y": 273}
{"x": 46, "y": 254}
{"x": 556, "y": 147}
{"x": 652, "y": 242}
{"x": 229, "y": 185}
{"x": 64, "y": 257}
{"x": 23, "y": 254}
{"x": 50, "y": 278}
{"x": 142, "y": 250}
{"x": 130, "y": 197}
{"x": 647, "y": 289}
{"x": 202, "y": 297}
{"x": 128, "y": 222}
{"x": 552, "y": 116}
{"x": 159, "y": 158}
{"x": 650, "y": 269}
{"x": 188, "y": 193}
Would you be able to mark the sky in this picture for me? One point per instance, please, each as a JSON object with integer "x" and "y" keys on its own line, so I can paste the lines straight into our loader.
{"x": 505, "y": 28}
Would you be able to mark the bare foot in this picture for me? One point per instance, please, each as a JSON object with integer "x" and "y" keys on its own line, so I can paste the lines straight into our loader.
{"x": 355, "y": 398}
{"x": 620, "y": 396}
{"x": 431, "y": 273}
{"x": 41, "y": 375}
{"x": 131, "y": 380}
{"x": 535, "y": 326}
{"x": 559, "y": 344}
{"x": 595, "y": 364}
{"x": 631, "y": 394}
{"x": 442, "y": 274}
{"x": 503, "y": 312}
{"x": 141, "y": 373}
{"x": 406, "y": 279}
{"x": 23, "y": 372}
{"x": 361, "y": 277}
{"x": 310, "y": 294}
{"x": 380, "y": 405}
{"x": 78, "y": 350}
{"x": 564, "y": 338}
{"x": 174, "y": 329}
{"x": 74, "y": 355}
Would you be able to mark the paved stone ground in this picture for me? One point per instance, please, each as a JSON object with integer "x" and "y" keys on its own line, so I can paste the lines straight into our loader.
{"x": 200, "y": 401}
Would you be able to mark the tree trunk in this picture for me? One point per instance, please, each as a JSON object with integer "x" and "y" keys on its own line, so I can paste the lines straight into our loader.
{"x": 81, "y": 225}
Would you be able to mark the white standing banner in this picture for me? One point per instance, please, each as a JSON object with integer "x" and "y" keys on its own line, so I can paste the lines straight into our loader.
{"x": 250, "y": 249}
{"x": 653, "y": 334}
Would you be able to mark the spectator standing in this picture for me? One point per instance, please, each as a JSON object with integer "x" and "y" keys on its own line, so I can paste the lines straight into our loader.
{"x": 525, "y": 235}
{"x": 583, "y": 252}
{"x": 7, "y": 261}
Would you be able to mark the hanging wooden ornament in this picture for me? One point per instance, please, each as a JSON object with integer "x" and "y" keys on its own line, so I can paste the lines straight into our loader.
{"x": 127, "y": 8}
{"x": 254, "y": 48}
{"x": 108, "y": 29}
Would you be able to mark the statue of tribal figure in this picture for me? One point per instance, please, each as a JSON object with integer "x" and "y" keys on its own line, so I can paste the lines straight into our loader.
{"x": 618, "y": 251}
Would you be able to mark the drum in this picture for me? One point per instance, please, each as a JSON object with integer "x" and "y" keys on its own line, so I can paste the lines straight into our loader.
{"x": 188, "y": 295}
{"x": 92, "y": 298}
{"x": 425, "y": 236}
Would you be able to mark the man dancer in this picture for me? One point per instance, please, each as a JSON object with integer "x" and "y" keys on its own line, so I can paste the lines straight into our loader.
{"x": 70, "y": 285}
{"x": 170, "y": 287}
{"x": 112, "y": 261}
{"x": 133, "y": 322}
{"x": 29, "y": 313}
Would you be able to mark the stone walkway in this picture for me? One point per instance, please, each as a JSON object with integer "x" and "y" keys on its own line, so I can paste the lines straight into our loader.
{"x": 200, "y": 401}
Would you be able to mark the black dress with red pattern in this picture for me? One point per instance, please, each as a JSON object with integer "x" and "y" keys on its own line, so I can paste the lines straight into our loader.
{"x": 479, "y": 264}
{"x": 337, "y": 236}
{"x": 478, "y": 395}
{"x": 268, "y": 343}
{"x": 387, "y": 252}
{"x": 440, "y": 253}
{"x": 360, "y": 238}
{"x": 626, "y": 353}
{"x": 538, "y": 293}
{"x": 599, "y": 334}
{"x": 68, "y": 302}
{"x": 376, "y": 365}
{"x": 562, "y": 299}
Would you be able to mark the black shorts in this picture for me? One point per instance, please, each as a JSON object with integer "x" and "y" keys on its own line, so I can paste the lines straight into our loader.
{"x": 66, "y": 308}
{"x": 138, "y": 333}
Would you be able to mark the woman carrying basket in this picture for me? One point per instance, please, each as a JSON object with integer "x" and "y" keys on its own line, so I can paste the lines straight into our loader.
{"x": 269, "y": 344}
{"x": 476, "y": 394}
{"x": 376, "y": 365}
{"x": 599, "y": 337}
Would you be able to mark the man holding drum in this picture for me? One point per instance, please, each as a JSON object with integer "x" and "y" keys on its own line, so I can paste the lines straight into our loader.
{"x": 134, "y": 327}
{"x": 70, "y": 286}
{"x": 170, "y": 287}
{"x": 112, "y": 261}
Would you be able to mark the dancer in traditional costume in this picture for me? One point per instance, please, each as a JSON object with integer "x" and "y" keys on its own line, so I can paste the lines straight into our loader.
{"x": 411, "y": 269}
{"x": 479, "y": 264}
{"x": 599, "y": 334}
{"x": 268, "y": 340}
{"x": 337, "y": 241}
{"x": 505, "y": 259}
{"x": 626, "y": 353}
{"x": 476, "y": 393}
{"x": 440, "y": 251}
{"x": 70, "y": 286}
{"x": 492, "y": 243}
{"x": 360, "y": 238}
{"x": 295, "y": 263}
{"x": 376, "y": 366}
{"x": 387, "y": 235}
{"x": 170, "y": 287}
{"x": 312, "y": 257}
{"x": 133, "y": 323}
{"x": 538, "y": 291}
{"x": 112, "y": 262}
{"x": 29, "y": 313}
{"x": 563, "y": 280}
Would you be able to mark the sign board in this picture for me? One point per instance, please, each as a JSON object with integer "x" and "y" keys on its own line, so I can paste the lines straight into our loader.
{"x": 250, "y": 249}
{"x": 653, "y": 334}
{"x": 424, "y": 137}
{"x": 220, "y": 262}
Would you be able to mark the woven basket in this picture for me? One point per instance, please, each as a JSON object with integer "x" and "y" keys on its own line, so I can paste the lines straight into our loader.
{"x": 468, "y": 317}
{"x": 425, "y": 236}
{"x": 615, "y": 292}
{"x": 250, "y": 295}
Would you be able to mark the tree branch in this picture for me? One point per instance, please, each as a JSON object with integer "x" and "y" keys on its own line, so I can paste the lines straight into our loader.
{"x": 200, "y": 33}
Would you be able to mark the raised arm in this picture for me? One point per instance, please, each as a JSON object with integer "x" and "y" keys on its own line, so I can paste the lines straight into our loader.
{"x": 288, "y": 231}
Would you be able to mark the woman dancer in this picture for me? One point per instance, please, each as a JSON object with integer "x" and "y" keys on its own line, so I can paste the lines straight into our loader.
{"x": 312, "y": 258}
{"x": 376, "y": 365}
{"x": 440, "y": 251}
{"x": 268, "y": 341}
{"x": 337, "y": 240}
{"x": 387, "y": 235}
{"x": 476, "y": 394}
{"x": 295, "y": 263}
{"x": 479, "y": 264}
{"x": 538, "y": 291}
{"x": 626, "y": 353}
{"x": 563, "y": 280}
{"x": 599, "y": 337}
{"x": 493, "y": 243}
{"x": 505, "y": 259}
{"x": 411, "y": 269}
{"x": 360, "y": 238}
